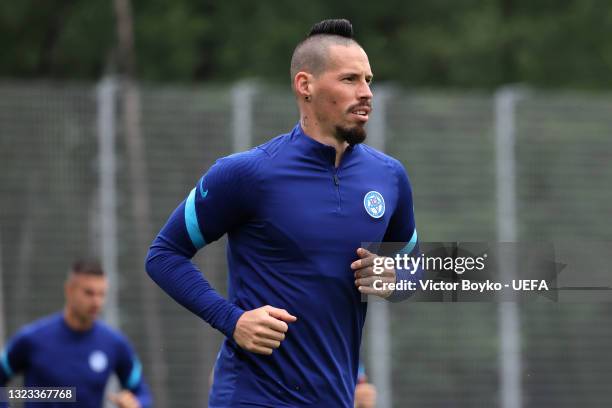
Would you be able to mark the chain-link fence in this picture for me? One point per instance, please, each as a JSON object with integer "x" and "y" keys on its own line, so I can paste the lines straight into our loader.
{"x": 442, "y": 354}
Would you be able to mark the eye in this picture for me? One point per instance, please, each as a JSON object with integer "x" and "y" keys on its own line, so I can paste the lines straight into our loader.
{"x": 348, "y": 79}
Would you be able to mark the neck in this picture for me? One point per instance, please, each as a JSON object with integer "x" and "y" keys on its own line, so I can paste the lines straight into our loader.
{"x": 312, "y": 129}
{"x": 75, "y": 323}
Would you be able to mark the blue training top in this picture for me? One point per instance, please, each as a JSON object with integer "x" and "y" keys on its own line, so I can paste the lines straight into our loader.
{"x": 51, "y": 354}
{"x": 294, "y": 222}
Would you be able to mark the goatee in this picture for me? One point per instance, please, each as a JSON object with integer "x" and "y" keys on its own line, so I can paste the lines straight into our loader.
{"x": 352, "y": 136}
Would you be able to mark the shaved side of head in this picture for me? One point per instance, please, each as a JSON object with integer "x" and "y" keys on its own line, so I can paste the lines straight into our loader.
{"x": 312, "y": 54}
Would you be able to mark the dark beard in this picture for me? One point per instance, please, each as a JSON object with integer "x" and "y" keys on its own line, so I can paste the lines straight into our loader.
{"x": 352, "y": 136}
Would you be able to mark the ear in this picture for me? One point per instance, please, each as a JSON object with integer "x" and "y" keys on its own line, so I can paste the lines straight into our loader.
{"x": 302, "y": 83}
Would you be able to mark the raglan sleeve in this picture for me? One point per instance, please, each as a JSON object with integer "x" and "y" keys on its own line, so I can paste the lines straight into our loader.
{"x": 218, "y": 203}
{"x": 14, "y": 357}
{"x": 402, "y": 229}
{"x": 129, "y": 372}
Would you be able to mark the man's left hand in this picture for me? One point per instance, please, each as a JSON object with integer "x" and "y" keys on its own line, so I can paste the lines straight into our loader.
{"x": 125, "y": 399}
{"x": 365, "y": 276}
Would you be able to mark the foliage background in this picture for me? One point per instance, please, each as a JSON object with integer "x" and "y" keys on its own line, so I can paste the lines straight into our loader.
{"x": 435, "y": 43}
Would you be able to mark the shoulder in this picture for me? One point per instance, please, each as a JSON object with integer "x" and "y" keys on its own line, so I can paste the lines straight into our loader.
{"x": 391, "y": 164}
{"x": 249, "y": 165}
{"x": 239, "y": 165}
{"x": 42, "y": 326}
{"x": 110, "y": 333}
{"x": 274, "y": 146}
{"x": 38, "y": 330}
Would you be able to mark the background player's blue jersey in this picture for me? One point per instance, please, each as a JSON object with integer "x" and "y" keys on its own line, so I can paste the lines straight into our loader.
{"x": 51, "y": 354}
{"x": 294, "y": 222}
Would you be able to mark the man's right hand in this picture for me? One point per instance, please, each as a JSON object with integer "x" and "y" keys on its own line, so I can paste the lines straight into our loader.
{"x": 262, "y": 330}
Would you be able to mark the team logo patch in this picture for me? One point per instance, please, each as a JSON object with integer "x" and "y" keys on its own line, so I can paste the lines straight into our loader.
{"x": 374, "y": 204}
{"x": 98, "y": 361}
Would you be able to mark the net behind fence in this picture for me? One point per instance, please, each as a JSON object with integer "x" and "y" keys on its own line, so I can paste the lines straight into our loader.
{"x": 442, "y": 354}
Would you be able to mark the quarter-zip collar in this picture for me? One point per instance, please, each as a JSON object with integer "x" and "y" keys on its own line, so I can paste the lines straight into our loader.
{"x": 316, "y": 150}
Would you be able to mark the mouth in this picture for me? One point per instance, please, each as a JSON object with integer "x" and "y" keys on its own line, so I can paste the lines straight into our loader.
{"x": 361, "y": 112}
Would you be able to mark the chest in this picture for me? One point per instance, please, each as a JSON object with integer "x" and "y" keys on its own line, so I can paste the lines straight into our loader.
{"x": 72, "y": 363}
{"x": 325, "y": 207}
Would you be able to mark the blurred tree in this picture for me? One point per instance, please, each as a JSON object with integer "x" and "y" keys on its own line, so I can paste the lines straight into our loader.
{"x": 55, "y": 38}
{"x": 471, "y": 43}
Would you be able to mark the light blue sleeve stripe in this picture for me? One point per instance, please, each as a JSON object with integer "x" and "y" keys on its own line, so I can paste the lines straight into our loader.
{"x": 191, "y": 221}
{"x": 5, "y": 364}
{"x": 411, "y": 244}
{"x": 135, "y": 375}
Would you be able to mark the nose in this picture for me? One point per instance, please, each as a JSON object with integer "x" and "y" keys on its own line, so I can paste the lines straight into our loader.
{"x": 364, "y": 92}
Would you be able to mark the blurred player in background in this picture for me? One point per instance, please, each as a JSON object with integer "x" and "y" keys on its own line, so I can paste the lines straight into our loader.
{"x": 74, "y": 349}
{"x": 296, "y": 211}
{"x": 365, "y": 393}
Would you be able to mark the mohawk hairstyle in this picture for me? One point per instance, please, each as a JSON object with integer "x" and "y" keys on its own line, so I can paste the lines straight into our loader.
{"x": 310, "y": 55}
{"x": 341, "y": 27}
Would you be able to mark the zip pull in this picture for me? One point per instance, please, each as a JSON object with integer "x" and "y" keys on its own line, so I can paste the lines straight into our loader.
{"x": 336, "y": 180}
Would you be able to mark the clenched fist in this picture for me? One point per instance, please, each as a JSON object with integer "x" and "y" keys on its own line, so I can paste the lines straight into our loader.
{"x": 125, "y": 399}
{"x": 262, "y": 330}
{"x": 366, "y": 278}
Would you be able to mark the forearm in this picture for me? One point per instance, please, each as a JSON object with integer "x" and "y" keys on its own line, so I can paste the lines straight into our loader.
{"x": 6, "y": 371}
{"x": 4, "y": 379}
{"x": 180, "y": 278}
{"x": 144, "y": 397}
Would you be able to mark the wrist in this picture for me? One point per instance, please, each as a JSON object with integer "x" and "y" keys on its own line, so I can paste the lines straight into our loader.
{"x": 232, "y": 321}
